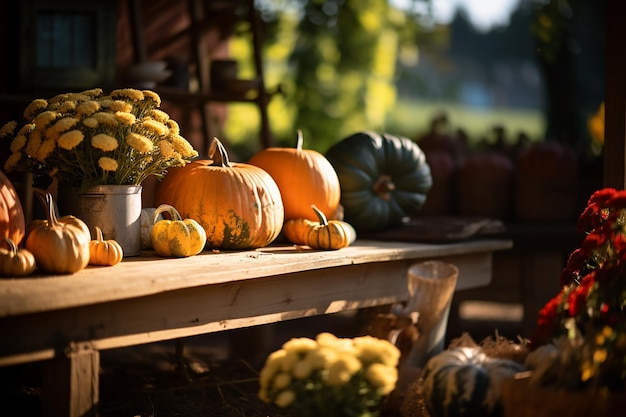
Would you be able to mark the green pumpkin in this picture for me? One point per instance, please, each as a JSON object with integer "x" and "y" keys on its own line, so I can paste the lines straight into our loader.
{"x": 464, "y": 382}
{"x": 384, "y": 179}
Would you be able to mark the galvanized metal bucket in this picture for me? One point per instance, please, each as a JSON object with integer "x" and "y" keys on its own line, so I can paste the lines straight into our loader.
{"x": 115, "y": 209}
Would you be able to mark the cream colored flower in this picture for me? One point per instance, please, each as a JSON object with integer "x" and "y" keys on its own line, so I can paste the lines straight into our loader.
{"x": 285, "y": 398}
{"x": 139, "y": 142}
{"x": 125, "y": 118}
{"x": 46, "y": 148}
{"x": 300, "y": 345}
{"x": 382, "y": 377}
{"x": 104, "y": 142}
{"x": 34, "y": 108}
{"x": 107, "y": 164}
{"x": 8, "y": 128}
{"x": 70, "y": 140}
{"x": 94, "y": 92}
{"x": 342, "y": 370}
{"x": 281, "y": 380}
{"x": 303, "y": 368}
{"x": 87, "y": 108}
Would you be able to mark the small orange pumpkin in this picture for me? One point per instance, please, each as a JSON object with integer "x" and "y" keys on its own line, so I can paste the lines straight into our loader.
{"x": 239, "y": 205}
{"x": 104, "y": 252}
{"x": 324, "y": 234}
{"x": 297, "y": 171}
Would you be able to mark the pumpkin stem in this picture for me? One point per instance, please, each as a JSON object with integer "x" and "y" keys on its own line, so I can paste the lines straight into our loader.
{"x": 321, "y": 216}
{"x": 99, "y": 236}
{"x": 217, "y": 152}
{"x": 12, "y": 245}
{"x": 384, "y": 186}
{"x": 299, "y": 140}
{"x": 174, "y": 215}
{"x": 50, "y": 207}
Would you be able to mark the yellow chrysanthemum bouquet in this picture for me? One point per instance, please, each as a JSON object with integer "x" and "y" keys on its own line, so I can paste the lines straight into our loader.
{"x": 330, "y": 376}
{"x": 88, "y": 138}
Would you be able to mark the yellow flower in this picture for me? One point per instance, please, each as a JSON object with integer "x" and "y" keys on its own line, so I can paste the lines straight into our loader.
{"x": 167, "y": 150}
{"x": 18, "y": 143}
{"x": 94, "y": 92}
{"x": 66, "y": 107}
{"x": 104, "y": 142}
{"x": 127, "y": 93}
{"x": 105, "y": 118}
{"x": 8, "y": 128}
{"x": 119, "y": 105}
{"x": 87, "y": 108}
{"x": 43, "y": 119}
{"x": 70, "y": 140}
{"x": 13, "y": 161}
{"x": 34, "y": 108}
{"x": 152, "y": 96}
{"x": 159, "y": 115}
{"x": 107, "y": 164}
{"x": 173, "y": 126}
{"x": 90, "y": 122}
{"x": 285, "y": 398}
{"x": 62, "y": 125}
{"x": 46, "y": 148}
{"x": 34, "y": 141}
{"x": 155, "y": 127}
{"x": 600, "y": 355}
{"x": 139, "y": 142}
{"x": 183, "y": 147}
{"x": 125, "y": 118}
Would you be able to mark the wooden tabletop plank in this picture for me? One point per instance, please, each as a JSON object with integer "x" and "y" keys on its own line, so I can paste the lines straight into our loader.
{"x": 149, "y": 274}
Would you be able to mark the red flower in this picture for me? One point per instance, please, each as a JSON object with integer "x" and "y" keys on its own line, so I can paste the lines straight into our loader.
{"x": 577, "y": 298}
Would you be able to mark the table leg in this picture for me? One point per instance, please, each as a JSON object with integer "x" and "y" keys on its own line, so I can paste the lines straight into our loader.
{"x": 71, "y": 383}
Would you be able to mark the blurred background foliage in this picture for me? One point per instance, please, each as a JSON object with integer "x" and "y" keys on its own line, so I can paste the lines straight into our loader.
{"x": 341, "y": 66}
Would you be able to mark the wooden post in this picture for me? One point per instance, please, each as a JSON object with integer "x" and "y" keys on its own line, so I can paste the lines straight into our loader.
{"x": 71, "y": 383}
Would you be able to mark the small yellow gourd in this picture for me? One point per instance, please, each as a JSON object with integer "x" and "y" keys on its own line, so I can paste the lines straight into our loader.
{"x": 329, "y": 234}
{"x": 176, "y": 237}
{"x": 15, "y": 262}
{"x": 104, "y": 252}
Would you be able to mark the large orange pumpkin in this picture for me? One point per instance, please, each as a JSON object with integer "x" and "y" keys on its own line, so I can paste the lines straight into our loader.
{"x": 12, "y": 223}
{"x": 239, "y": 205}
{"x": 305, "y": 177}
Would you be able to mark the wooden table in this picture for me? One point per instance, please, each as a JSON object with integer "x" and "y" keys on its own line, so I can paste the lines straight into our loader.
{"x": 66, "y": 320}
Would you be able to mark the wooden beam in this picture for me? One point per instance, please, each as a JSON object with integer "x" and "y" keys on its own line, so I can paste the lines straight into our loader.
{"x": 615, "y": 97}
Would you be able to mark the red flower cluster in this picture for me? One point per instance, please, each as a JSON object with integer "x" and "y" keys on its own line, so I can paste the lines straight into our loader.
{"x": 594, "y": 278}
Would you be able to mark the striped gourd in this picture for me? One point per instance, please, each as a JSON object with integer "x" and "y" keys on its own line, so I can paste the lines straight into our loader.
{"x": 465, "y": 382}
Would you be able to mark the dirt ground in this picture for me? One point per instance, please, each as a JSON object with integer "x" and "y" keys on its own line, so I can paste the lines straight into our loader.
{"x": 217, "y": 376}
